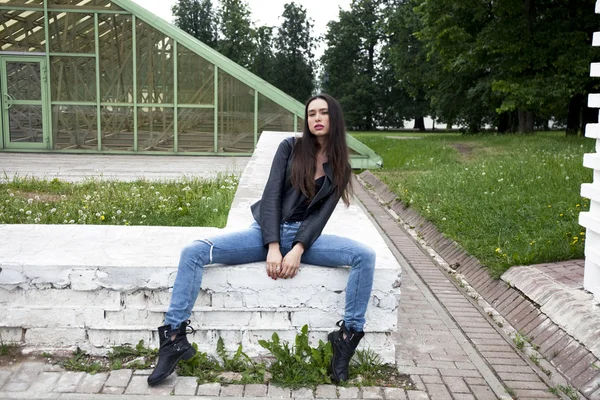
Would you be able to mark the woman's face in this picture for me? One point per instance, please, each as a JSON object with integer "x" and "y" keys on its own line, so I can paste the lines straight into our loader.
{"x": 318, "y": 118}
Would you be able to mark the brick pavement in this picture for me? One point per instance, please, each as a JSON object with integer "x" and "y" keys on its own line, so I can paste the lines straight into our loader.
{"x": 448, "y": 345}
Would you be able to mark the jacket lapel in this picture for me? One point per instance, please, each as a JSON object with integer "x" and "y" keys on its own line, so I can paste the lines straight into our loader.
{"x": 326, "y": 188}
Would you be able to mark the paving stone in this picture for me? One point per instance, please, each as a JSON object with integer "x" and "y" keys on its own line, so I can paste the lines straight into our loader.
{"x": 463, "y": 396}
{"x": 92, "y": 383}
{"x": 456, "y": 384}
{"x": 44, "y": 382}
{"x": 591, "y": 386}
{"x": 348, "y": 392}
{"x": 530, "y": 377}
{"x": 534, "y": 394}
{"x": 539, "y": 385}
{"x": 209, "y": 389}
{"x": 142, "y": 371}
{"x": 139, "y": 385}
{"x": 232, "y": 390}
{"x": 18, "y": 386}
{"x": 119, "y": 378}
{"x": 458, "y": 372}
{"x": 326, "y": 392}
{"x": 303, "y": 393}
{"x": 278, "y": 392}
{"x": 165, "y": 388}
{"x": 483, "y": 392}
{"x": 438, "y": 391}
{"x": 393, "y": 393}
{"x": 185, "y": 386}
{"x": 417, "y": 395}
{"x": 432, "y": 379}
{"x": 52, "y": 368}
{"x": 255, "y": 390}
{"x": 113, "y": 390}
{"x": 68, "y": 381}
{"x": 372, "y": 392}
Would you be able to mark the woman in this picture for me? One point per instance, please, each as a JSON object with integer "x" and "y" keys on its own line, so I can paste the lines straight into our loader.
{"x": 308, "y": 177}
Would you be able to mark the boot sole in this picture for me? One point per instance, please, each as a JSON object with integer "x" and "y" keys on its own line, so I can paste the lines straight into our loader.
{"x": 189, "y": 353}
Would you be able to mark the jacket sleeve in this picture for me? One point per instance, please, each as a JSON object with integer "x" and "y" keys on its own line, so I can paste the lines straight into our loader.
{"x": 270, "y": 215}
{"x": 313, "y": 224}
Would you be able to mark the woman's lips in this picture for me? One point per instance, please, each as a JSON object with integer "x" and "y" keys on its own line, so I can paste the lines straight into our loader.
{"x": 318, "y": 126}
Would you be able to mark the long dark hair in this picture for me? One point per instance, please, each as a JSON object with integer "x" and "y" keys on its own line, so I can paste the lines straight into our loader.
{"x": 307, "y": 148}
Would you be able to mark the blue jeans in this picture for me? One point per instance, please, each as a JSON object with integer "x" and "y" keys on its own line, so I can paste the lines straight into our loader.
{"x": 247, "y": 246}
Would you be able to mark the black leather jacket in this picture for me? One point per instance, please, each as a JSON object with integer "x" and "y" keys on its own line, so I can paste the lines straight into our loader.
{"x": 280, "y": 199}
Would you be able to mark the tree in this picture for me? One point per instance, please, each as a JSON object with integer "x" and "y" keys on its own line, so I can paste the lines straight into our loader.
{"x": 295, "y": 67}
{"x": 263, "y": 61}
{"x": 197, "y": 18}
{"x": 235, "y": 32}
{"x": 352, "y": 63}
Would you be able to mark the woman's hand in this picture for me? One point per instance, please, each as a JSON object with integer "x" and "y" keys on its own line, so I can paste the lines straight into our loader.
{"x": 291, "y": 262}
{"x": 274, "y": 260}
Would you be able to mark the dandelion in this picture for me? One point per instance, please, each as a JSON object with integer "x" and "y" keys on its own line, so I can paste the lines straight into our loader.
{"x": 37, "y": 197}
{"x": 143, "y": 216}
{"x": 203, "y": 197}
{"x": 36, "y": 220}
{"x": 102, "y": 217}
{"x": 222, "y": 186}
{"x": 483, "y": 173}
{"x": 561, "y": 214}
{"x": 582, "y": 233}
{"x": 443, "y": 219}
{"x": 157, "y": 193}
{"x": 187, "y": 204}
{"x": 498, "y": 250}
{"x": 501, "y": 180}
{"x": 160, "y": 198}
{"x": 21, "y": 210}
{"x": 65, "y": 221}
{"x": 28, "y": 212}
{"x": 119, "y": 212}
{"x": 98, "y": 215}
{"x": 577, "y": 205}
{"x": 53, "y": 210}
{"x": 29, "y": 201}
{"x": 12, "y": 195}
{"x": 180, "y": 209}
{"x": 215, "y": 210}
{"x": 72, "y": 221}
{"x": 549, "y": 205}
{"x": 185, "y": 189}
{"x": 151, "y": 187}
{"x": 566, "y": 178}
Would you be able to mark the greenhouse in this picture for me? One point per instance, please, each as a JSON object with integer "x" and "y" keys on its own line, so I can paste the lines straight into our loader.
{"x": 103, "y": 76}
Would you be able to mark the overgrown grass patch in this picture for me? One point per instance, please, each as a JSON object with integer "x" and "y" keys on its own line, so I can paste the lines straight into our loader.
{"x": 507, "y": 199}
{"x": 182, "y": 202}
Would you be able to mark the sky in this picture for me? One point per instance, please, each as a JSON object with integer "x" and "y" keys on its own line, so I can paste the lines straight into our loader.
{"x": 268, "y": 12}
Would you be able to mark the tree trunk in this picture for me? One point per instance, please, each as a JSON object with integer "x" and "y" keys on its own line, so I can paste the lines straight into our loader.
{"x": 503, "y": 122}
{"x": 574, "y": 116}
{"x": 420, "y": 124}
{"x": 525, "y": 121}
{"x": 590, "y": 116}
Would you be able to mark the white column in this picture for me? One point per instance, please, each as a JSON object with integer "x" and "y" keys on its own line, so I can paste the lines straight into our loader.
{"x": 591, "y": 219}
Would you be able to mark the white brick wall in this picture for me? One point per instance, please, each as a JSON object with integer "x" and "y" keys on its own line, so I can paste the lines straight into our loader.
{"x": 591, "y": 219}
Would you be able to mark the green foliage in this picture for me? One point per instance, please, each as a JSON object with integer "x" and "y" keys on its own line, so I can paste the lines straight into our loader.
{"x": 197, "y": 18}
{"x": 300, "y": 365}
{"x": 81, "y": 361}
{"x": 235, "y": 32}
{"x": 295, "y": 68}
{"x": 140, "y": 357}
{"x": 240, "y": 362}
{"x": 507, "y": 200}
{"x": 569, "y": 391}
{"x": 205, "y": 367}
{"x": 185, "y": 202}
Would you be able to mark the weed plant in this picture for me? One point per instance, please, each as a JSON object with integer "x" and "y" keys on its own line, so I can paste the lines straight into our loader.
{"x": 300, "y": 365}
{"x": 506, "y": 199}
{"x": 183, "y": 202}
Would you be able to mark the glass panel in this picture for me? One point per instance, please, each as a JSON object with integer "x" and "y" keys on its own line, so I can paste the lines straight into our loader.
{"x": 117, "y": 128}
{"x": 23, "y": 80}
{"x": 74, "y": 127}
{"x": 300, "y": 124}
{"x": 21, "y": 2}
{"x": 273, "y": 117}
{"x": 26, "y": 124}
{"x": 155, "y": 129}
{"x": 236, "y": 115}
{"x": 22, "y": 31}
{"x": 80, "y": 3}
{"x": 195, "y": 78}
{"x": 73, "y": 78}
{"x": 71, "y": 32}
{"x": 196, "y": 130}
{"x": 154, "y": 66}
{"x": 116, "y": 58}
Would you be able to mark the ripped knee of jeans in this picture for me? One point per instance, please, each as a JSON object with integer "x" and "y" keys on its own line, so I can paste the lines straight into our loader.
{"x": 210, "y": 254}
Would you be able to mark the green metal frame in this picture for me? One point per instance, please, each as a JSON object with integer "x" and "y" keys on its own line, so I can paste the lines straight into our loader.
{"x": 366, "y": 158}
{"x": 43, "y": 103}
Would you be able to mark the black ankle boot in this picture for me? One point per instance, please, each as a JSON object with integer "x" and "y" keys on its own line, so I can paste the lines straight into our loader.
{"x": 343, "y": 350}
{"x": 171, "y": 351}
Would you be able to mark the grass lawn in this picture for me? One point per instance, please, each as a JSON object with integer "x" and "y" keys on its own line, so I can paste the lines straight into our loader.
{"x": 507, "y": 199}
{"x": 183, "y": 202}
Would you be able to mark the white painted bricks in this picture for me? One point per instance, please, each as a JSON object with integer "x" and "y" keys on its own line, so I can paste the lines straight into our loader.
{"x": 591, "y": 219}
{"x": 95, "y": 287}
